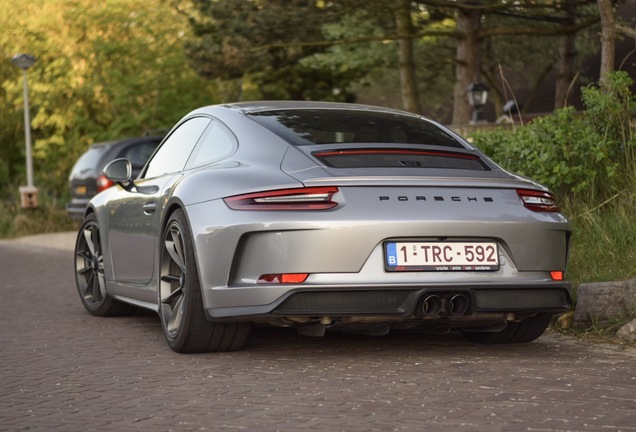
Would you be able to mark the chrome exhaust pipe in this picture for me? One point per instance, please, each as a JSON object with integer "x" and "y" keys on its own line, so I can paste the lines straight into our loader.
{"x": 458, "y": 304}
{"x": 432, "y": 305}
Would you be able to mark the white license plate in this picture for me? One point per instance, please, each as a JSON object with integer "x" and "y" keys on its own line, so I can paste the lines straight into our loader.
{"x": 441, "y": 256}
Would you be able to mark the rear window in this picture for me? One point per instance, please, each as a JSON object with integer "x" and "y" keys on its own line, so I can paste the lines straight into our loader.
{"x": 89, "y": 160}
{"x": 329, "y": 126}
{"x": 139, "y": 153}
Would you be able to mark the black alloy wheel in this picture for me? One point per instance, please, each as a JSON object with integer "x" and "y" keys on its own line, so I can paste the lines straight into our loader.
{"x": 89, "y": 272}
{"x": 181, "y": 309}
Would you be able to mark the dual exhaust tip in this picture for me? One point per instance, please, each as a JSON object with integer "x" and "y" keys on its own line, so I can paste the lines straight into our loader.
{"x": 453, "y": 305}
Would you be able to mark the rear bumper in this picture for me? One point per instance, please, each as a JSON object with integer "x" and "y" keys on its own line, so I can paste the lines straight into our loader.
{"x": 403, "y": 303}
{"x": 76, "y": 208}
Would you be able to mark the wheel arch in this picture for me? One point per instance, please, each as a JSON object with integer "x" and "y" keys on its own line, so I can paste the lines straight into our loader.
{"x": 89, "y": 210}
{"x": 171, "y": 207}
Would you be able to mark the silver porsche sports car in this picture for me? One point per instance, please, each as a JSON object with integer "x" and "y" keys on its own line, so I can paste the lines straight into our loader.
{"x": 322, "y": 216}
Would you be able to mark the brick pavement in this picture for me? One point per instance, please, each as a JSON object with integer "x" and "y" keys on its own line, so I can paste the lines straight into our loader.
{"x": 64, "y": 370}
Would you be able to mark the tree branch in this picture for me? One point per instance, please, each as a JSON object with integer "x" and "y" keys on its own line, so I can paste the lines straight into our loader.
{"x": 357, "y": 40}
{"x": 626, "y": 30}
{"x": 501, "y": 31}
{"x": 539, "y": 31}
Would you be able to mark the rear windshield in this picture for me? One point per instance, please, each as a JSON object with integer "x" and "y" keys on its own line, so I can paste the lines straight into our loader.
{"x": 87, "y": 163}
{"x": 329, "y": 126}
{"x": 138, "y": 153}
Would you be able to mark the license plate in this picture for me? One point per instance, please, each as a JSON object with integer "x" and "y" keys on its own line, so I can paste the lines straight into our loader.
{"x": 80, "y": 190}
{"x": 441, "y": 256}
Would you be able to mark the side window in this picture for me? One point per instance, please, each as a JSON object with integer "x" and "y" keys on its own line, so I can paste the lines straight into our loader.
{"x": 174, "y": 152}
{"x": 217, "y": 143}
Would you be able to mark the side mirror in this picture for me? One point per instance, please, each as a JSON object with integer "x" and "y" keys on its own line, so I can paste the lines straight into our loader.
{"x": 119, "y": 171}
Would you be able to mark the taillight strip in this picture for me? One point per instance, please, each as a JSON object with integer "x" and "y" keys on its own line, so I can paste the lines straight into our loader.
{"x": 538, "y": 201}
{"x": 396, "y": 152}
{"x": 311, "y": 198}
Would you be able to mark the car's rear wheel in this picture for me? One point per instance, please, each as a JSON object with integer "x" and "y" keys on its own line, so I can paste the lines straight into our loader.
{"x": 515, "y": 332}
{"x": 180, "y": 302}
{"x": 89, "y": 272}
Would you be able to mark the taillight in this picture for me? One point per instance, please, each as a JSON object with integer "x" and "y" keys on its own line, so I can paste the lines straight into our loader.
{"x": 103, "y": 183}
{"x": 538, "y": 201}
{"x": 311, "y": 198}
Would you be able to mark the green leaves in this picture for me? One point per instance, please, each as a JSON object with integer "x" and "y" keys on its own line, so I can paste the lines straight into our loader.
{"x": 104, "y": 70}
{"x": 589, "y": 155}
{"x": 262, "y": 43}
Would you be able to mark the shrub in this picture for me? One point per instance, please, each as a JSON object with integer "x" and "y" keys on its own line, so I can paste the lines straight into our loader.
{"x": 613, "y": 113}
{"x": 588, "y": 155}
{"x": 589, "y": 160}
{"x": 50, "y": 216}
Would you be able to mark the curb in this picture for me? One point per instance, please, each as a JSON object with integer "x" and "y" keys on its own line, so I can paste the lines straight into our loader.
{"x": 63, "y": 241}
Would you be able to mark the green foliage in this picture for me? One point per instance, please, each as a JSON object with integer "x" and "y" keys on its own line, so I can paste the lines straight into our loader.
{"x": 604, "y": 240}
{"x": 613, "y": 111}
{"x": 260, "y": 43}
{"x": 49, "y": 217}
{"x": 361, "y": 56}
{"x": 374, "y": 61}
{"x": 588, "y": 155}
{"x": 104, "y": 70}
{"x": 561, "y": 151}
{"x": 588, "y": 159}
{"x": 4, "y": 177}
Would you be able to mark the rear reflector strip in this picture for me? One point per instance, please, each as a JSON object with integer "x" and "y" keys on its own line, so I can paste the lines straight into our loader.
{"x": 284, "y": 278}
{"x": 557, "y": 275}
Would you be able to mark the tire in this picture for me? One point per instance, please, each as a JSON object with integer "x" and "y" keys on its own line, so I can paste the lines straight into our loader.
{"x": 89, "y": 273}
{"x": 514, "y": 332}
{"x": 185, "y": 326}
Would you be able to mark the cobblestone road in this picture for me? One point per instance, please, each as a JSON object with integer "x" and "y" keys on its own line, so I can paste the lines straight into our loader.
{"x": 64, "y": 370}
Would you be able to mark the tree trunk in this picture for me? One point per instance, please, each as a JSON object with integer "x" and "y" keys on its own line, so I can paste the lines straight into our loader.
{"x": 467, "y": 65}
{"x": 608, "y": 38}
{"x": 565, "y": 64}
{"x": 406, "y": 57}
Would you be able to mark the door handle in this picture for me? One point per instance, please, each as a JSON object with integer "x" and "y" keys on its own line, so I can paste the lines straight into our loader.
{"x": 149, "y": 208}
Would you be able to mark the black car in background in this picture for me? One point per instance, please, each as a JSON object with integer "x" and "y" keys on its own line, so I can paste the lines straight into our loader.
{"x": 87, "y": 179}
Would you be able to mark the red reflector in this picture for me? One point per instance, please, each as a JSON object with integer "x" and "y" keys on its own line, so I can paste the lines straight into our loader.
{"x": 294, "y": 278}
{"x": 538, "y": 201}
{"x": 556, "y": 275}
{"x": 311, "y": 198}
{"x": 286, "y": 278}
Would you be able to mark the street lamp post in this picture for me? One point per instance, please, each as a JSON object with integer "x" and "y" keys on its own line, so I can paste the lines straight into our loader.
{"x": 477, "y": 94}
{"x": 28, "y": 193}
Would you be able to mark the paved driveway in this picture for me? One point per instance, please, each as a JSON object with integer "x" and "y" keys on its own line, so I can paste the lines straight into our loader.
{"x": 64, "y": 370}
